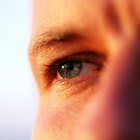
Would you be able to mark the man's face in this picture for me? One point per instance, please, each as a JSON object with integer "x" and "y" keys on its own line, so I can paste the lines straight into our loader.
{"x": 85, "y": 56}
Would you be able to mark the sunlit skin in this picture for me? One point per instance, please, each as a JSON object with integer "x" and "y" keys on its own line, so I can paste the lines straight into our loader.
{"x": 102, "y": 37}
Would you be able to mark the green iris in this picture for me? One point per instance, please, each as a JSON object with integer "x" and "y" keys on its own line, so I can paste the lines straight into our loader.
{"x": 69, "y": 69}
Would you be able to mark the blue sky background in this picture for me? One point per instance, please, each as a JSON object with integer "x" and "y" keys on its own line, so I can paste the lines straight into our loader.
{"x": 18, "y": 94}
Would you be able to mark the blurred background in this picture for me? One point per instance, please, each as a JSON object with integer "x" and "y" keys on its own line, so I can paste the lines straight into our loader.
{"x": 18, "y": 94}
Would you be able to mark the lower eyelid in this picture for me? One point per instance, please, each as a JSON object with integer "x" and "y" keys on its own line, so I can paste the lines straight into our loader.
{"x": 76, "y": 85}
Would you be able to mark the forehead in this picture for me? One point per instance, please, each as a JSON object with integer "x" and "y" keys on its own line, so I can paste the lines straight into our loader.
{"x": 56, "y": 11}
{"x": 88, "y": 16}
{"x": 50, "y": 13}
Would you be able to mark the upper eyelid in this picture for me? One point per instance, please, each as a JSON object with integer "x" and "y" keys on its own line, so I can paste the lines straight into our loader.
{"x": 85, "y": 56}
{"x": 50, "y": 52}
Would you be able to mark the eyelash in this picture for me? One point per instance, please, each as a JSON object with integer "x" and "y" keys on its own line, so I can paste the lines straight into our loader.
{"x": 50, "y": 72}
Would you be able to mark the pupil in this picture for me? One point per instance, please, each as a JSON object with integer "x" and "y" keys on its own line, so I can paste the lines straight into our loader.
{"x": 70, "y": 69}
{"x": 69, "y": 66}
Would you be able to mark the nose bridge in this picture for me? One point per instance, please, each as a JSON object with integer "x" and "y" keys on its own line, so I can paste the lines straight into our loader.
{"x": 122, "y": 90}
{"x": 124, "y": 77}
{"x": 124, "y": 84}
{"x": 114, "y": 114}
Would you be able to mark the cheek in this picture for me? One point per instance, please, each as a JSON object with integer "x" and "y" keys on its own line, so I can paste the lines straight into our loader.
{"x": 56, "y": 122}
{"x": 50, "y": 124}
{"x": 60, "y": 112}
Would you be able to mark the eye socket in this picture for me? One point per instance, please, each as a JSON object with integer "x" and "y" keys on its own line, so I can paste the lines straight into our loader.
{"x": 70, "y": 69}
{"x": 79, "y": 67}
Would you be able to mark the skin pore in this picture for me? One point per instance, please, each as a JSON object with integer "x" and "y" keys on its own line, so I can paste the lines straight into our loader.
{"x": 85, "y": 57}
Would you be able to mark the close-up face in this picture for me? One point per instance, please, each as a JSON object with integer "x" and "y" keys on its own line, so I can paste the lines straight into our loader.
{"x": 85, "y": 57}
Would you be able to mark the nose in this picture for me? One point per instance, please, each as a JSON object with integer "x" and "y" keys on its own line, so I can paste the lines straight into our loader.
{"x": 124, "y": 90}
{"x": 114, "y": 114}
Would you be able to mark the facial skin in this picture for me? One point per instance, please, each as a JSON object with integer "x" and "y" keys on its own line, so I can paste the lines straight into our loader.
{"x": 85, "y": 56}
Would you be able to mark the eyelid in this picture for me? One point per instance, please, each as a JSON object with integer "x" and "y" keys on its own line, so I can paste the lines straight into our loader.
{"x": 88, "y": 57}
{"x": 49, "y": 72}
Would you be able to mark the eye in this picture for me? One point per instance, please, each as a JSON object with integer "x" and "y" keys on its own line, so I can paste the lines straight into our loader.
{"x": 80, "y": 68}
{"x": 70, "y": 69}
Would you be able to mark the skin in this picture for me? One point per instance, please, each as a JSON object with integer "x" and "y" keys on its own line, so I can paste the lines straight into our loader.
{"x": 100, "y": 103}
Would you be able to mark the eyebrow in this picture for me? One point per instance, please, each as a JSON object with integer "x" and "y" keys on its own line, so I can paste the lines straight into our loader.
{"x": 51, "y": 39}
{"x": 62, "y": 40}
